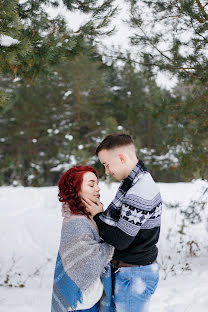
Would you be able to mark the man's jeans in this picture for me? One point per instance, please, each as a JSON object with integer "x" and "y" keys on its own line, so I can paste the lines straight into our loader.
{"x": 95, "y": 308}
{"x": 133, "y": 287}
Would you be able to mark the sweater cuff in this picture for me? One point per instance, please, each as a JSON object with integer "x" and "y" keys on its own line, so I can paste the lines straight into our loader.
{"x": 96, "y": 217}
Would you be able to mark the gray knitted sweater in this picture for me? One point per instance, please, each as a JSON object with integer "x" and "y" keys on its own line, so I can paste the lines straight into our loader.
{"x": 81, "y": 260}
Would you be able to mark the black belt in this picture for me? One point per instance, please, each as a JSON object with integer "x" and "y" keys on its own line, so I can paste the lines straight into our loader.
{"x": 120, "y": 264}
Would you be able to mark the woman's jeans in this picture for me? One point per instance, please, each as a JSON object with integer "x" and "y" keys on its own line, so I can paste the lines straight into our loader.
{"x": 134, "y": 286}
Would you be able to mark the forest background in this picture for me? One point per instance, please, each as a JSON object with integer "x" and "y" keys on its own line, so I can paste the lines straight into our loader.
{"x": 62, "y": 91}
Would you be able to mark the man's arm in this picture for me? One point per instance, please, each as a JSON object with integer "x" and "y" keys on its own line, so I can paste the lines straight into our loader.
{"x": 110, "y": 234}
{"x": 113, "y": 235}
{"x": 129, "y": 224}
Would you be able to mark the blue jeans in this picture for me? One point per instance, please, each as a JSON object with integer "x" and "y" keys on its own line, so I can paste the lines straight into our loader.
{"x": 134, "y": 286}
{"x": 95, "y": 308}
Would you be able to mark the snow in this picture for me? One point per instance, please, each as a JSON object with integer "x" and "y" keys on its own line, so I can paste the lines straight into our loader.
{"x": 30, "y": 224}
{"x": 7, "y": 41}
{"x": 69, "y": 137}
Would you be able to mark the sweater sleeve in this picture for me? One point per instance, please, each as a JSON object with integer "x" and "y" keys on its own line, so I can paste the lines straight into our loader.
{"x": 129, "y": 224}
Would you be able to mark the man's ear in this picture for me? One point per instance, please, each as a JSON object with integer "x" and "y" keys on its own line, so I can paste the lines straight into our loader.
{"x": 122, "y": 158}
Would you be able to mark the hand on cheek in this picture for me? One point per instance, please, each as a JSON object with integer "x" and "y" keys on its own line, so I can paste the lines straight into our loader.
{"x": 92, "y": 207}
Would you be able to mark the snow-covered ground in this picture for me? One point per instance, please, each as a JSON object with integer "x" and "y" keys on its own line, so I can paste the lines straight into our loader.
{"x": 30, "y": 224}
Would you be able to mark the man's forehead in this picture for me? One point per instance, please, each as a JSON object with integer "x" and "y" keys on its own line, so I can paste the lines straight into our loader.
{"x": 106, "y": 155}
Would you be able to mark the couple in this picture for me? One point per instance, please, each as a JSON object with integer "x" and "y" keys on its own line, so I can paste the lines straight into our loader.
{"x": 107, "y": 259}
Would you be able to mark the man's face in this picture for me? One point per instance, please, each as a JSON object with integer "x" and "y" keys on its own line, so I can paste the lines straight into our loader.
{"x": 114, "y": 163}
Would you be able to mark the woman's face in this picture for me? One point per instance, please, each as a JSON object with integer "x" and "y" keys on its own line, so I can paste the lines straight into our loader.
{"x": 90, "y": 188}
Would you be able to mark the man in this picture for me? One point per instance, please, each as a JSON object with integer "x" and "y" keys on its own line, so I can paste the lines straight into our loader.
{"x": 131, "y": 223}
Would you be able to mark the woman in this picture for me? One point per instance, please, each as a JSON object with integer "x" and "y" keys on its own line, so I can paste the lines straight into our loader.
{"x": 82, "y": 278}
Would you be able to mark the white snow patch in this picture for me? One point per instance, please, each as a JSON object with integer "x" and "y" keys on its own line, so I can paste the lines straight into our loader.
{"x": 7, "y": 41}
{"x": 69, "y": 137}
{"x": 30, "y": 225}
{"x": 66, "y": 94}
{"x": 120, "y": 128}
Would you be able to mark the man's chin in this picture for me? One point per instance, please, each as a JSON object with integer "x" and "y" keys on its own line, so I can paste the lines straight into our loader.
{"x": 116, "y": 178}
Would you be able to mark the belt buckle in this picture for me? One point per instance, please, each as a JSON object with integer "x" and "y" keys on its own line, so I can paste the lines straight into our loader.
{"x": 115, "y": 266}
{"x": 118, "y": 269}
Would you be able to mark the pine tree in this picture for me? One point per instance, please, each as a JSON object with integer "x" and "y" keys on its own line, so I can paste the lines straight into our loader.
{"x": 41, "y": 41}
{"x": 171, "y": 36}
{"x": 54, "y": 122}
{"x": 142, "y": 109}
{"x": 86, "y": 99}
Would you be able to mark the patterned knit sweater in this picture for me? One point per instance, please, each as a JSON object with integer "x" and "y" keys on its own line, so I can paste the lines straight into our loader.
{"x": 131, "y": 223}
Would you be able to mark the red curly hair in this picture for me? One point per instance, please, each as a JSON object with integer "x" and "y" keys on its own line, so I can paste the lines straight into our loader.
{"x": 69, "y": 186}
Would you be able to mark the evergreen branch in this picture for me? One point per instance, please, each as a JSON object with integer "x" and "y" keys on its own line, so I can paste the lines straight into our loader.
{"x": 202, "y": 9}
{"x": 166, "y": 17}
{"x": 201, "y": 21}
{"x": 197, "y": 32}
{"x": 89, "y": 134}
{"x": 164, "y": 55}
{"x": 168, "y": 67}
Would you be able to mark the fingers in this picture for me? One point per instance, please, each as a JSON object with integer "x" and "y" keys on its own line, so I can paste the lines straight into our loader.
{"x": 99, "y": 203}
{"x": 86, "y": 203}
{"x": 89, "y": 202}
{"x": 86, "y": 200}
{"x": 93, "y": 207}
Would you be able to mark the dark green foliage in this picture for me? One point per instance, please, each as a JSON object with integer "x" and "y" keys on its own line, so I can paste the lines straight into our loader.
{"x": 53, "y": 122}
{"x": 173, "y": 37}
{"x": 174, "y": 33}
{"x": 100, "y": 12}
{"x": 65, "y": 100}
{"x": 28, "y": 149}
{"x": 58, "y": 121}
{"x": 42, "y": 41}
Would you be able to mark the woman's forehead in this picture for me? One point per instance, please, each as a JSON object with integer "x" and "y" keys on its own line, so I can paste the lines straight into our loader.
{"x": 90, "y": 176}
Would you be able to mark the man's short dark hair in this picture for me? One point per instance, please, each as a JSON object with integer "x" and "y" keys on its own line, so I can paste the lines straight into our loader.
{"x": 114, "y": 140}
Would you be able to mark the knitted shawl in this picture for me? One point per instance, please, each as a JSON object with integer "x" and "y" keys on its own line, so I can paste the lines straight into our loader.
{"x": 82, "y": 258}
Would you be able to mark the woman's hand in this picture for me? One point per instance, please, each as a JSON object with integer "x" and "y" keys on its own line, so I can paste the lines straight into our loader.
{"x": 92, "y": 207}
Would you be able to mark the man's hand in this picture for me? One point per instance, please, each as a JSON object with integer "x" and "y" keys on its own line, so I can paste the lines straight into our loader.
{"x": 92, "y": 207}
